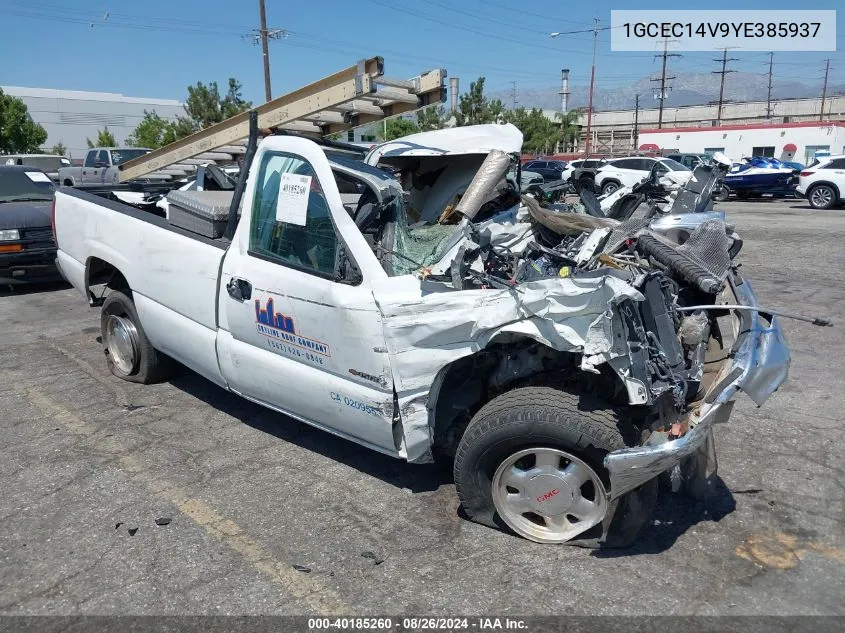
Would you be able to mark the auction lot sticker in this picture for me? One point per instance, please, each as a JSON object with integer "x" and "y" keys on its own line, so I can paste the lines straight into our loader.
{"x": 765, "y": 31}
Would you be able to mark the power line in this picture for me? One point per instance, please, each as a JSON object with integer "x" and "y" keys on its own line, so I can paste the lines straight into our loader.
{"x": 723, "y": 72}
{"x": 663, "y": 78}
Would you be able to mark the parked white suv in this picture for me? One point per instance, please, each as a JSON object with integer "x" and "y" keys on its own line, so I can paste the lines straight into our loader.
{"x": 823, "y": 182}
{"x": 627, "y": 172}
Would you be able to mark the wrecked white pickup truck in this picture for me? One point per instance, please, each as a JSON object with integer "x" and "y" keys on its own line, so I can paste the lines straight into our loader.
{"x": 426, "y": 310}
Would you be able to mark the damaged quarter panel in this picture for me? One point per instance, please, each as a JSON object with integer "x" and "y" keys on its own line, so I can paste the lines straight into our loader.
{"x": 427, "y": 329}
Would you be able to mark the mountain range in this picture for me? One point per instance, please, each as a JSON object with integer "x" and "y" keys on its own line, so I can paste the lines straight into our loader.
{"x": 686, "y": 89}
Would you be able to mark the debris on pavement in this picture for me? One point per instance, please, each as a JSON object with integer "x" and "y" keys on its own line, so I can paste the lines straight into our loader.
{"x": 377, "y": 560}
{"x": 163, "y": 521}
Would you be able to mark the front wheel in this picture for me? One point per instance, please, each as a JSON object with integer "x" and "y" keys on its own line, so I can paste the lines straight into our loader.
{"x": 722, "y": 194}
{"x": 129, "y": 353}
{"x": 531, "y": 460}
{"x": 821, "y": 196}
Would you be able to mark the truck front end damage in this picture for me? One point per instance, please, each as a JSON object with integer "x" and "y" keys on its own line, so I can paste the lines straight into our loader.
{"x": 501, "y": 294}
{"x": 757, "y": 363}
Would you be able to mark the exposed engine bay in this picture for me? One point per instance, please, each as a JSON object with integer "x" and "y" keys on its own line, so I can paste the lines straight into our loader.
{"x": 651, "y": 266}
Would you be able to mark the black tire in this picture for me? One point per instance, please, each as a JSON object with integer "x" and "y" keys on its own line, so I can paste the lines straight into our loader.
{"x": 151, "y": 365}
{"x": 722, "y": 194}
{"x": 819, "y": 201}
{"x": 543, "y": 416}
{"x": 743, "y": 195}
{"x": 609, "y": 186}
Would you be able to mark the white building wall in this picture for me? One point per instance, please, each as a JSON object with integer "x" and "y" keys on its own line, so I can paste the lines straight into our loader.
{"x": 737, "y": 143}
{"x": 70, "y": 116}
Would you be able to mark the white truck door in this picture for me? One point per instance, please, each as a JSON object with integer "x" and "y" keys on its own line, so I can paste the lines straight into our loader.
{"x": 89, "y": 168}
{"x": 292, "y": 334}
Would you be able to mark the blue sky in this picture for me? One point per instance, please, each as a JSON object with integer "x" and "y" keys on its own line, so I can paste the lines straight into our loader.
{"x": 155, "y": 48}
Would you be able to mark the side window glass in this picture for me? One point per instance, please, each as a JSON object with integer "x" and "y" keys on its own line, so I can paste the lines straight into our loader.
{"x": 90, "y": 158}
{"x": 291, "y": 222}
{"x": 103, "y": 157}
{"x": 837, "y": 163}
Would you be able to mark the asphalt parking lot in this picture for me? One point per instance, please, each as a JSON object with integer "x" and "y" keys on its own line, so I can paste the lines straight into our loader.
{"x": 268, "y": 516}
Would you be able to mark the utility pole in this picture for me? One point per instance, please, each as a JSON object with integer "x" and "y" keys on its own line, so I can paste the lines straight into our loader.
{"x": 636, "y": 122}
{"x": 513, "y": 94}
{"x": 723, "y": 72}
{"x": 592, "y": 87}
{"x": 824, "y": 88}
{"x": 664, "y": 92}
{"x": 268, "y": 93}
{"x": 769, "y": 95}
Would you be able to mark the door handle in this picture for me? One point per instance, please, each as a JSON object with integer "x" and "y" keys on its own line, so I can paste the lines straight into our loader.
{"x": 239, "y": 289}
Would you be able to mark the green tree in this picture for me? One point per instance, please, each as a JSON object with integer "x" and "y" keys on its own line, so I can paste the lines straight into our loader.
{"x": 398, "y": 127}
{"x": 153, "y": 131}
{"x": 569, "y": 128}
{"x": 232, "y": 103}
{"x": 104, "y": 139}
{"x": 474, "y": 108}
{"x": 19, "y": 134}
{"x": 431, "y": 118}
{"x": 59, "y": 149}
{"x": 205, "y": 106}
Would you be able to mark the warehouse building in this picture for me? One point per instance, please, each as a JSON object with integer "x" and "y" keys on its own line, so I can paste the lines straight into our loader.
{"x": 72, "y": 116}
{"x": 613, "y": 132}
{"x": 797, "y": 142}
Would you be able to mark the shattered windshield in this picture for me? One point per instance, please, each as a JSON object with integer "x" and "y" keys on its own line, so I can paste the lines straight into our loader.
{"x": 418, "y": 245}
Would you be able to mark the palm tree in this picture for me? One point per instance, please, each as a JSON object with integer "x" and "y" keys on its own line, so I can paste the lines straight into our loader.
{"x": 569, "y": 128}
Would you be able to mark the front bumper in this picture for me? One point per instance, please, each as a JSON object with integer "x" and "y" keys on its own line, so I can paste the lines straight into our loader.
{"x": 28, "y": 266}
{"x": 759, "y": 365}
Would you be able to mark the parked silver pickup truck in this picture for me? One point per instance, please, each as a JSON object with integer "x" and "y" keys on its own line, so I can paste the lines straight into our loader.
{"x": 100, "y": 166}
{"x": 562, "y": 361}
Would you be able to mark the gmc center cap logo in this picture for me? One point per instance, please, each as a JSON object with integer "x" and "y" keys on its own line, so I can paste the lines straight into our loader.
{"x": 550, "y": 494}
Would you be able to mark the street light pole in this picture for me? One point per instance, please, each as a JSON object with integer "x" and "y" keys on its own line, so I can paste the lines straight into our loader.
{"x": 592, "y": 87}
{"x": 637, "y": 123}
{"x": 596, "y": 30}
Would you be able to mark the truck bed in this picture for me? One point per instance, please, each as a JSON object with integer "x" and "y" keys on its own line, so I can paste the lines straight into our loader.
{"x": 173, "y": 273}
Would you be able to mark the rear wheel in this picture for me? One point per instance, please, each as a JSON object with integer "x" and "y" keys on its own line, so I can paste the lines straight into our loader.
{"x": 821, "y": 196}
{"x": 129, "y": 353}
{"x": 722, "y": 194}
{"x": 609, "y": 187}
{"x": 531, "y": 460}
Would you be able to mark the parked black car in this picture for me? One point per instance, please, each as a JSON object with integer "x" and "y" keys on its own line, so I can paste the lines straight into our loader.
{"x": 549, "y": 169}
{"x": 27, "y": 247}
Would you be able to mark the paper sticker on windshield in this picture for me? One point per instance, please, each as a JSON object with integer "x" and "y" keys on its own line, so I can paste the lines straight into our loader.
{"x": 37, "y": 176}
{"x": 292, "y": 204}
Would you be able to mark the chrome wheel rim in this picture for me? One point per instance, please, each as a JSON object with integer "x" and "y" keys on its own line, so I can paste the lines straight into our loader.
{"x": 122, "y": 343}
{"x": 821, "y": 196}
{"x": 610, "y": 188}
{"x": 548, "y": 495}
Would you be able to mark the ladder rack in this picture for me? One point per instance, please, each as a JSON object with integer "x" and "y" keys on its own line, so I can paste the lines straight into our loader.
{"x": 352, "y": 97}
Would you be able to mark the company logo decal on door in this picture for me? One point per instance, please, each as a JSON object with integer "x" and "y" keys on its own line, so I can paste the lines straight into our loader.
{"x": 280, "y": 329}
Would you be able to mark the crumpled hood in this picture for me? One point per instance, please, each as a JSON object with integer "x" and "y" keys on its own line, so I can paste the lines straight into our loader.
{"x": 25, "y": 215}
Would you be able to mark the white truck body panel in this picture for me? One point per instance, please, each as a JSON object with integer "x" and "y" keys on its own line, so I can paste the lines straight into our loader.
{"x": 326, "y": 352}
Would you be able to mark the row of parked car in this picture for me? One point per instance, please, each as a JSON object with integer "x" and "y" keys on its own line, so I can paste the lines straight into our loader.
{"x": 608, "y": 175}
{"x": 822, "y": 182}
